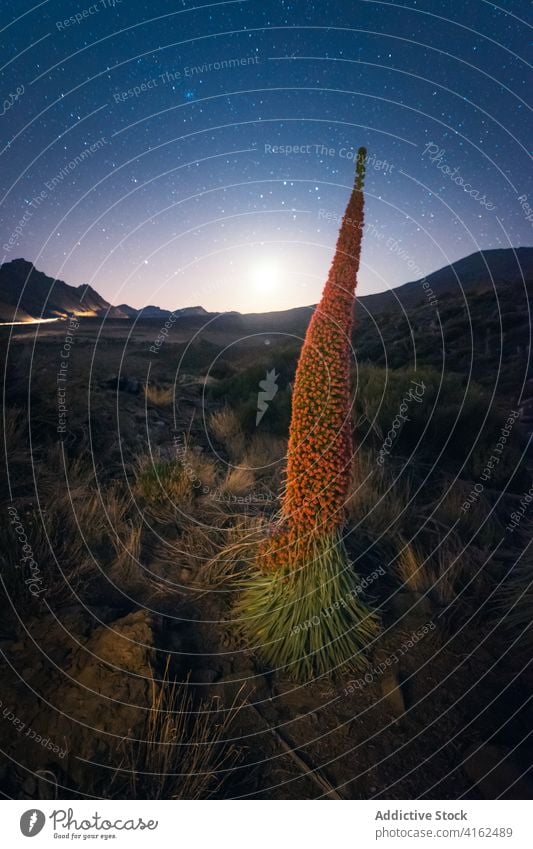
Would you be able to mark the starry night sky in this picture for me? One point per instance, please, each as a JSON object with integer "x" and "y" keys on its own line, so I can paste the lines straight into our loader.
{"x": 185, "y": 197}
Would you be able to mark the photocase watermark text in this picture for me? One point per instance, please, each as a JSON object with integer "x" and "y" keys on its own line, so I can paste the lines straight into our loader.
{"x": 35, "y": 581}
{"x": 11, "y": 99}
{"x": 436, "y": 156}
{"x": 415, "y": 393}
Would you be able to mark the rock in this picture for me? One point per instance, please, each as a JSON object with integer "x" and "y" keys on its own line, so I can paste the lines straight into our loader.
{"x": 235, "y": 688}
{"x": 123, "y": 383}
{"x": 495, "y": 774}
{"x": 173, "y": 640}
{"x": 29, "y": 787}
{"x": 410, "y": 609}
{"x": 47, "y": 784}
{"x": 391, "y": 690}
{"x": 102, "y": 698}
{"x": 206, "y": 676}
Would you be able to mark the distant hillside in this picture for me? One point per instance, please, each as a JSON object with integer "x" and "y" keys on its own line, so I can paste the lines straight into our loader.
{"x": 475, "y": 272}
{"x": 26, "y": 293}
{"x": 151, "y": 311}
{"x": 43, "y": 297}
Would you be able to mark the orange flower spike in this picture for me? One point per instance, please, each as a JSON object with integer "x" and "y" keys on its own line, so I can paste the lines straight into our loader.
{"x": 321, "y": 453}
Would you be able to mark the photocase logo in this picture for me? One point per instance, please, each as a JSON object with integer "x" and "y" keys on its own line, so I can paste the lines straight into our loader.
{"x": 32, "y": 822}
{"x": 268, "y": 388}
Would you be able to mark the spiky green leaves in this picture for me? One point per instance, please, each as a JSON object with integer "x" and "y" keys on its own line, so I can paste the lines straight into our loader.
{"x": 310, "y": 621}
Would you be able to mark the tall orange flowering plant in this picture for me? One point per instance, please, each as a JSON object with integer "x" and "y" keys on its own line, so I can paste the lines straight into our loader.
{"x": 302, "y": 607}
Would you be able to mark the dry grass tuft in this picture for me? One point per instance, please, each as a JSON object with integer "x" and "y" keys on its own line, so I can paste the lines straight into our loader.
{"x": 183, "y": 754}
{"x": 373, "y": 502}
{"x": 238, "y": 481}
{"x": 201, "y": 471}
{"x": 225, "y": 426}
{"x": 410, "y": 569}
{"x": 238, "y": 553}
{"x": 439, "y": 576}
{"x": 164, "y": 489}
{"x": 514, "y": 603}
{"x": 159, "y": 396}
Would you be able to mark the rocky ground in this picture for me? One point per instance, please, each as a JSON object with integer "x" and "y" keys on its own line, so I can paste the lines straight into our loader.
{"x": 125, "y": 675}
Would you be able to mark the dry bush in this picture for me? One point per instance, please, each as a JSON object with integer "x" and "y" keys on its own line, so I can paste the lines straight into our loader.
{"x": 16, "y": 447}
{"x": 172, "y": 564}
{"x": 237, "y": 554}
{"x": 513, "y": 604}
{"x": 112, "y": 529}
{"x": 57, "y": 551}
{"x": 126, "y": 572}
{"x": 265, "y": 456}
{"x": 225, "y": 427}
{"x": 164, "y": 489}
{"x": 377, "y": 501}
{"x": 201, "y": 471}
{"x": 265, "y": 453}
{"x": 410, "y": 569}
{"x": 159, "y": 396}
{"x": 438, "y": 575}
{"x": 238, "y": 481}
{"x": 378, "y": 513}
{"x": 61, "y": 474}
{"x": 183, "y": 754}
{"x": 480, "y": 524}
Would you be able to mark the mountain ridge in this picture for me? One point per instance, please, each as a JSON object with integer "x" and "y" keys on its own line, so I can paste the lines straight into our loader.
{"x": 27, "y": 294}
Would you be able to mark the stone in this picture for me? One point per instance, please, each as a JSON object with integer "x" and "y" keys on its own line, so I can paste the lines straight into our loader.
{"x": 391, "y": 690}
{"x": 408, "y": 606}
{"x": 125, "y": 384}
{"x": 496, "y": 774}
{"x": 29, "y": 787}
{"x": 205, "y": 676}
{"x": 101, "y": 698}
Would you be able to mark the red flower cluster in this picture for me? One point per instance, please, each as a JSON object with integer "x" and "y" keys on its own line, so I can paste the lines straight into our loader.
{"x": 320, "y": 439}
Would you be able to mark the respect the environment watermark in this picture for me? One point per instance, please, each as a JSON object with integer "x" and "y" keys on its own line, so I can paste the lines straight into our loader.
{"x": 526, "y": 207}
{"x": 186, "y": 73}
{"x": 390, "y": 243}
{"x": 50, "y": 186}
{"x": 163, "y": 333}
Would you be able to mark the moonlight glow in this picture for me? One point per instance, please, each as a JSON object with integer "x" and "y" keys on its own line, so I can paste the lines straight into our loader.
{"x": 266, "y": 276}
